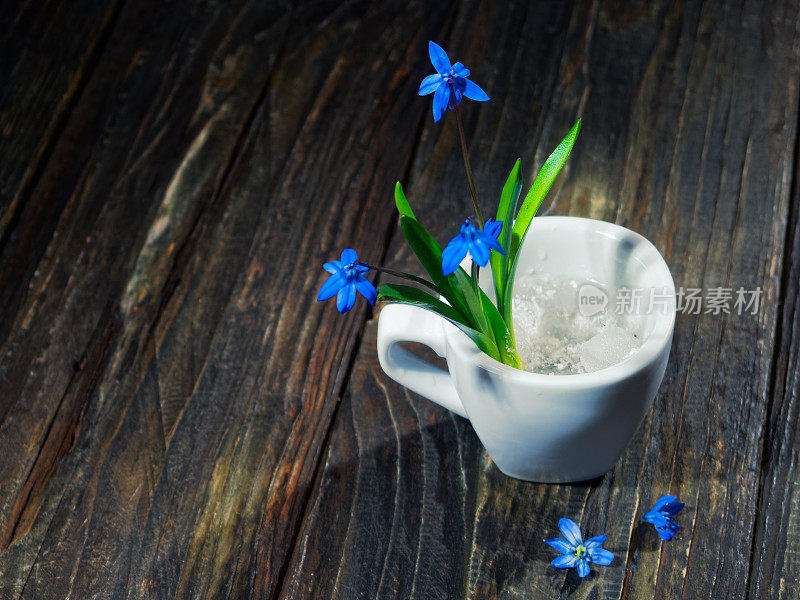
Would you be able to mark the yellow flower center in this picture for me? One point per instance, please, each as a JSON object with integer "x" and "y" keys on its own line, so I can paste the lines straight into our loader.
{"x": 580, "y": 551}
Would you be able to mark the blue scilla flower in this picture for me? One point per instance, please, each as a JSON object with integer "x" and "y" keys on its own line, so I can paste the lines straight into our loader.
{"x": 448, "y": 84}
{"x": 577, "y": 553}
{"x": 347, "y": 278}
{"x": 661, "y": 516}
{"x": 493, "y": 228}
{"x": 471, "y": 239}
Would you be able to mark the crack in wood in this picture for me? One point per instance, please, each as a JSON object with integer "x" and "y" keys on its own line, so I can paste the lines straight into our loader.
{"x": 63, "y": 429}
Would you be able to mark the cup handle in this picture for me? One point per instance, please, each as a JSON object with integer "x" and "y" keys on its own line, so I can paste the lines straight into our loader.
{"x": 407, "y": 323}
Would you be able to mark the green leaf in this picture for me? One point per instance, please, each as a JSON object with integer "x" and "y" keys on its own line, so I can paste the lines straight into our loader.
{"x": 429, "y": 253}
{"x": 508, "y": 295}
{"x": 505, "y": 213}
{"x": 540, "y": 187}
{"x": 503, "y": 337}
{"x": 403, "y": 207}
{"x": 396, "y": 292}
{"x": 464, "y": 284}
{"x": 406, "y": 294}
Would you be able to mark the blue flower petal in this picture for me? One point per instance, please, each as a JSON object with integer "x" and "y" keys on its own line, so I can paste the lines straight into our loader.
{"x": 429, "y": 84}
{"x": 673, "y": 508}
{"x": 453, "y": 254}
{"x": 455, "y": 98}
{"x": 450, "y": 83}
{"x": 560, "y": 545}
{"x": 493, "y": 228}
{"x": 479, "y": 251}
{"x": 346, "y": 298}
{"x": 656, "y": 518}
{"x": 600, "y": 556}
{"x": 332, "y": 285}
{"x": 334, "y": 266}
{"x": 583, "y": 568}
{"x": 662, "y": 502}
{"x": 667, "y": 531}
{"x": 440, "y": 101}
{"x": 460, "y": 70}
{"x": 661, "y": 516}
{"x": 665, "y": 535}
{"x": 474, "y": 92}
{"x": 570, "y": 531}
{"x": 349, "y": 256}
{"x": 467, "y": 229}
{"x": 439, "y": 58}
{"x": 366, "y": 289}
{"x": 491, "y": 242}
{"x": 565, "y": 561}
{"x": 596, "y": 541}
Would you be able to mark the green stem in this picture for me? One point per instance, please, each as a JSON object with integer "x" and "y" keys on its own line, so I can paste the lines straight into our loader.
{"x": 401, "y": 274}
{"x": 475, "y": 278}
{"x": 465, "y": 154}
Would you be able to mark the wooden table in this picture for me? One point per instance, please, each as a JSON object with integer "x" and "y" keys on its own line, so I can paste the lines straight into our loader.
{"x": 179, "y": 417}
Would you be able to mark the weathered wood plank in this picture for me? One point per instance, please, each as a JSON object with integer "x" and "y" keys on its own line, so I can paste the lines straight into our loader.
{"x": 83, "y": 270}
{"x": 159, "y": 148}
{"x": 169, "y": 382}
{"x": 164, "y": 190}
{"x": 775, "y": 560}
{"x": 688, "y": 137}
{"x": 49, "y": 50}
{"x": 170, "y": 334}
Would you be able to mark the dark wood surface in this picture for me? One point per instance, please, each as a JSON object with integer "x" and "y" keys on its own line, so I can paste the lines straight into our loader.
{"x": 179, "y": 418}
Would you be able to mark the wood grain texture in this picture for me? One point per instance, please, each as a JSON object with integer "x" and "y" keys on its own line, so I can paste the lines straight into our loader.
{"x": 688, "y": 137}
{"x": 49, "y": 50}
{"x": 775, "y": 564}
{"x": 180, "y": 419}
{"x": 188, "y": 249}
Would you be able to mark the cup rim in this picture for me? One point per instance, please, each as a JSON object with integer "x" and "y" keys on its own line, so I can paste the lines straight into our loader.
{"x": 659, "y": 337}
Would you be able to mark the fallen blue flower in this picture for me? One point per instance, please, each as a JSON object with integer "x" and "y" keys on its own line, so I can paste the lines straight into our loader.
{"x": 661, "y": 516}
{"x": 347, "y": 277}
{"x": 448, "y": 84}
{"x": 577, "y": 553}
{"x": 471, "y": 239}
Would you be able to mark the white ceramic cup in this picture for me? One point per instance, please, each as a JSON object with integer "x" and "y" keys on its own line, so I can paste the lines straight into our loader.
{"x": 547, "y": 428}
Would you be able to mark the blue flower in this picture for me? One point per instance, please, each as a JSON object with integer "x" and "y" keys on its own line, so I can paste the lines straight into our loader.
{"x": 661, "y": 516}
{"x": 448, "y": 84}
{"x": 347, "y": 277}
{"x": 493, "y": 228}
{"x": 577, "y": 553}
{"x": 471, "y": 239}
